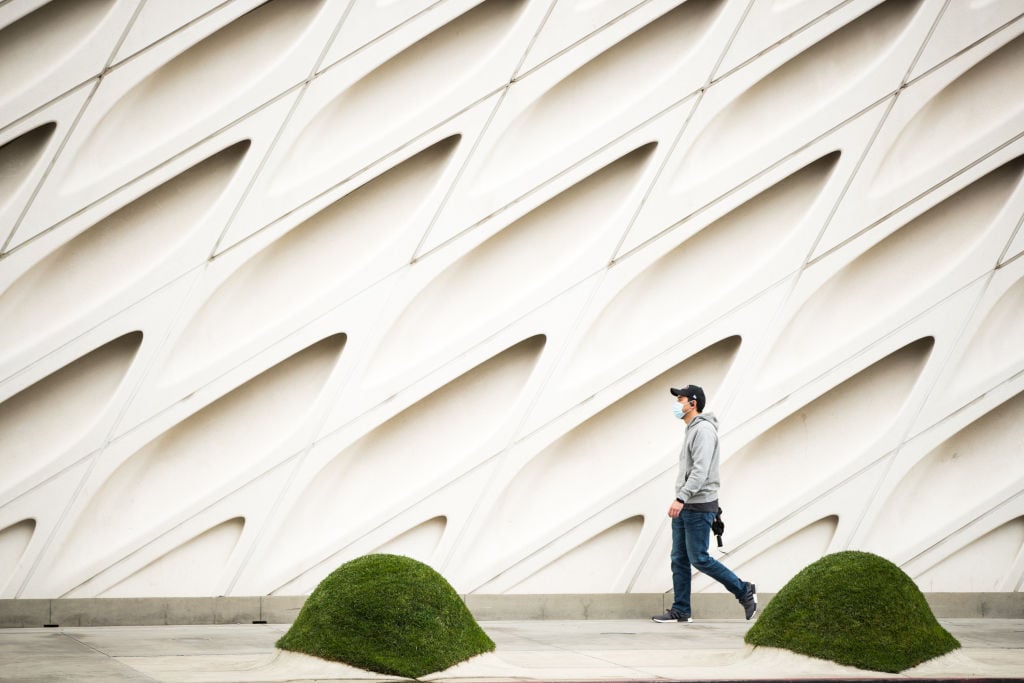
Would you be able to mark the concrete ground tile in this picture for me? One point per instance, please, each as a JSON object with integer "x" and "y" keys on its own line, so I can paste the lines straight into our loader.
{"x": 196, "y": 667}
{"x": 723, "y": 634}
{"x": 986, "y": 632}
{"x": 557, "y": 659}
{"x": 498, "y": 666}
{"x": 535, "y": 666}
{"x": 561, "y": 633}
{"x": 137, "y": 641}
{"x": 509, "y": 643}
{"x": 490, "y": 665}
{"x": 1009, "y": 657}
{"x": 272, "y": 667}
{"x": 570, "y": 665}
{"x": 508, "y": 636}
{"x": 52, "y": 656}
{"x": 628, "y": 634}
{"x": 528, "y": 651}
{"x": 580, "y": 674}
{"x": 669, "y": 658}
{"x": 761, "y": 663}
{"x": 984, "y": 663}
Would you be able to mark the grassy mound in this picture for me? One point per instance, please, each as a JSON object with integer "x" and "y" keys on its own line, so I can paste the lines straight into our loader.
{"x": 388, "y": 614}
{"x": 857, "y": 609}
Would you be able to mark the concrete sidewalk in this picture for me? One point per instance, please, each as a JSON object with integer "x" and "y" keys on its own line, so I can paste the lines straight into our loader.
{"x": 634, "y": 650}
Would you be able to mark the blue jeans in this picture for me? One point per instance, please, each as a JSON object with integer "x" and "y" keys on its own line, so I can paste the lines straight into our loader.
{"x": 691, "y": 531}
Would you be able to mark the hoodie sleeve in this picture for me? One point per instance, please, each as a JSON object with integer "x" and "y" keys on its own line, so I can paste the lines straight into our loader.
{"x": 703, "y": 451}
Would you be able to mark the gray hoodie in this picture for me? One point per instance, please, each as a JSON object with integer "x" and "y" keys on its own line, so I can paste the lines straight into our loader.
{"x": 698, "y": 479}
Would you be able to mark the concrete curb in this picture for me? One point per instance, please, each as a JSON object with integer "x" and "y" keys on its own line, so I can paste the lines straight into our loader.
{"x": 282, "y": 609}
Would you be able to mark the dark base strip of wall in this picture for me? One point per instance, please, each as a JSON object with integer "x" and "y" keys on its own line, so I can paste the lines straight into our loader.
{"x": 277, "y": 609}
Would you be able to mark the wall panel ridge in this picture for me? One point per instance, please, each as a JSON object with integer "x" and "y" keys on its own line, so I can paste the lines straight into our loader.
{"x": 283, "y": 283}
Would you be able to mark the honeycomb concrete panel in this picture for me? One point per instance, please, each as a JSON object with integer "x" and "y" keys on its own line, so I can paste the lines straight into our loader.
{"x": 286, "y": 283}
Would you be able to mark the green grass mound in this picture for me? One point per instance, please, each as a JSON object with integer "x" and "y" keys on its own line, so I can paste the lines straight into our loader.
{"x": 857, "y": 609}
{"x": 388, "y": 614}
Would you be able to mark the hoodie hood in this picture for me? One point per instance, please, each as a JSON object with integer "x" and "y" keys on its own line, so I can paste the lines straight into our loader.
{"x": 704, "y": 417}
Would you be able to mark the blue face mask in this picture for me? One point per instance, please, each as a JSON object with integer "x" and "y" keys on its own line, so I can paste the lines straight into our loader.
{"x": 677, "y": 410}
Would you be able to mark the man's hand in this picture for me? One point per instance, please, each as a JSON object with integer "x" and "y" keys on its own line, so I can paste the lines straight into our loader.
{"x": 675, "y": 509}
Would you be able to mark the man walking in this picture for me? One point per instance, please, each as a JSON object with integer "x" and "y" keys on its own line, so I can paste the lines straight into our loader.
{"x": 695, "y": 507}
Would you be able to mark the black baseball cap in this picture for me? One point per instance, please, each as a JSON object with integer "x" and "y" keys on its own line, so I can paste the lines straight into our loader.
{"x": 690, "y": 391}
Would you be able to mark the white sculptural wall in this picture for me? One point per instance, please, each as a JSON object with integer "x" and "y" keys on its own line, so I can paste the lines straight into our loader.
{"x": 285, "y": 283}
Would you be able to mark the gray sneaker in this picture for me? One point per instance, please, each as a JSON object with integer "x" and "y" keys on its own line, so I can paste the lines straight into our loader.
{"x": 749, "y": 600}
{"x": 672, "y": 616}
